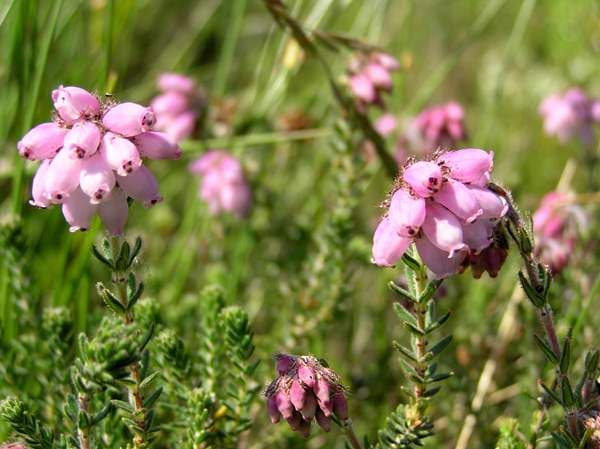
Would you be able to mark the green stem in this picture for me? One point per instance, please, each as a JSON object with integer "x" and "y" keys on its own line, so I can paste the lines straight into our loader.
{"x": 351, "y": 435}
{"x": 234, "y": 26}
{"x": 82, "y": 432}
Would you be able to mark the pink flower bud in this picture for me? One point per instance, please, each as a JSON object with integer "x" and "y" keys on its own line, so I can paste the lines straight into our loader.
{"x": 82, "y": 140}
{"x": 478, "y": 234}
{"x": 62, "y": 176}
{"x": 273, "y": 410}
{"x": 379, "y": 76}
{"x": 439, "y": 261}
{"x": 443, "y": 229}
{"x": 362, "y": 87}
{"x": 113, "y": 212}
{"x": 386, "y": 124}
{"x": 182, "y": 126}
{"x": 141, "y": 185}
{"x": 468, "y": 165}
{"x": 285, "y": 363}
{"x": 340, "y": 406}
{"x": 297, "y": 395}
{"x": 39, "y": 193}
{"x": 169, "y": 103}
{"x": 388, "y": 246}
{"x": 387, "y": 61}
{"x": 323, "y": 421}
{"x": 492, "y": 205}
{"x": 177, "y": 83}
{"x": 120, "y": 154}
{"x": 74, "y": 103}
{"x": 406, "y": 213}
{"x": 129, "y": 119}
{"x": 322, "y": 391}
{"x": 306, "y": 375}
{"x": 459, "y": 200}
{"x": 595, "y": 111}
{"x": 310, "y": 406}
{"x": 284, "y": 405}
{"x": 42, "y": 142}
{"x": 96, "y": 179}
{"x": 78, "y": 211}
{"x": 156, "y": 145}
{"x": 424, "y": 177}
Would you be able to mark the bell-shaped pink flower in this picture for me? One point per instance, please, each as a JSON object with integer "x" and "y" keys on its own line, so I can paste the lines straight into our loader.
{"x": 323, "y": 421}
{"x": 424, "y": 177}
{"x": 492, "y": 205}
{"x": 443, "y": 229}
{"x": 62, "y": 176}
{"x": 141, "y": 185}
{"x": 129, "y": 119}
{"x": 438, "y": 261}
{"x": 310, "y": 406}
{"x": 272, "y": 409}
{"x": 297, "y": 395}
{"x": 387, "y": 61}
{"x": 170, "y": 103}
{"x": 386, "y": 124}
{"x": 340, "y": 406}
{"x": 478, "y": 234}
{"x": 406, "y": 213}
{"x": 39, "y": 194}
{"x": 82, "y": 140}
{"x": 74, "y": 103}
{"x": 379, "y": 76}
{"x": 97, "y": 178}
{"x": 120, "y": 154}
{"x": 459, "y": 200}
{"x": 306, "y": 375}
{"x": 156, "y": 145}
{"x": 467, "y": 165}
{"x": 388, "y": 246}
{"x": 284, "y": 405}
{"x": 362, "y": 87}
{"x": 113, "y": 212}
{"x": 285, "y": 363}
{"x": 78, "y": 211}
{"x": 42, "y": 142}
{"x": 176, "y": 82}
{"x": 182, "y": 126}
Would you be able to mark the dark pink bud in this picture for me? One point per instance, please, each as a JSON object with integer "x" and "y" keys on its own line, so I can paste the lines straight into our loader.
{"x": 39, "y": 194}
{"x": 74, "y": 103}
{"x": 42, "y": 142}
{"x": 310, "y": 406}
{"x": 492, "y": 205}
{"x": 443, "y": 229}
{"x": 340, "y": 406}
{"x": 388, "y": 246}
{"x": 273, "y": 410}
{"x": 96, "y": 179}
{"x": 468, "y": 165}
{"x": 62, "y": 176}
{"x": 459, "y": 200}
{"x": 439, "y": 261}
{"x": 284, "y": 405}
{"x": 141, "y": 185}
{"x": 285, "y": 363}
{"x": 78, "y": 211}
{"x": 297, "y": 395}
{"x": 425, "y": 178}
{"x": 120, "y": 154}
{"x": 322, "y": 390}
{"x": 129, "y": 119}
{"x": 406, "y": 213}
{"x": 113, "y": 212}
{"x": 306, "y": 375}
{"x": 156, "y": 145}
{"x": 323, "y": 420}
{"x": 82, "y": 140}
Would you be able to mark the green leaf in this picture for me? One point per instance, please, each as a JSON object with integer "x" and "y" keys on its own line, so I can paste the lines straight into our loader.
{"x": 438, "y": 347}
{"x": 565, "y": 356}
{"x": 551, "y": 393}
{"x": 411, "y": 263}
{"x": 137, "y": 246}
{"x": 102, "y": 258}
{"x": 405, "y": 352}
{"x": 430, "y": 290}
{"x": 433, "y": 326}
{"x": 402, "y": 292}
{"x": 566, "y": 391}
{"x": 405, "y": 314}
{"x": 110, "y": 299}
{"x": 537, "y": 300}
{"x": 151, "y": 399}
{"x": 123, "y": 260}
{"x": 546, "y": 349}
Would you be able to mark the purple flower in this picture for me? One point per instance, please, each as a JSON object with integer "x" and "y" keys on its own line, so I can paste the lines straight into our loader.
{"x": 92, "y": 158}
{"x": 453, "y": 223}
{"x": 223, "y": 186}
{"x": 303, "y": 391}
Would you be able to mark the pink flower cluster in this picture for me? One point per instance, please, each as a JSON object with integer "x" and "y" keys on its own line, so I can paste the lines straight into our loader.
{"x": 571, "y": 114}
{"x": 92, "y": 158}
{"x": 370, "y": 77}
{"x": 177, "y": 107}
{"x": 441, "y": 126}
{"x": 444, "y": 207}
{"x": 305, "y": 390}
{"x": 224, "y": 186}
{"x": 555, "y": 226}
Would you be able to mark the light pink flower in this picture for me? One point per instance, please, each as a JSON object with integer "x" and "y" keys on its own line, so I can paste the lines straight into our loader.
{"x": 440, "y": 126}
{"x": 62, "y": 176}
{"x": 370, "y": 77}
{"x": 457, "y": 198}
{"x": 96, "y": 178}
{"x": 362, "y": 87}
{"x": 129, "y": 119}
{"x": 176, "y": 83}
{"x": 467, "y": 165}
{"x": 42, "y": 141}
{"x": 424, "y": 177}
{"x": 388, "y": 246}
{"x": 78, "y": 210}
{"x": 74, "y": 103}
{"x": 156, "y": 145}
{"x": 386, "y": 124}
{"x": 141, "y": 185}
{"x": 406, "y": 213}
{"x": 120, "y": 154}
{"x": 39, "y": 194}
{"x": 82, "y": 140}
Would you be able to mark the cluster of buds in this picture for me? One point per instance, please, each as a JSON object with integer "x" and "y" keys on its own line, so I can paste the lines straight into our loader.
{"x": 591, "y": 423}
{"x": 571, "y": 114}
{"x": 370, "y": 77}
{"x": 305, "y": 390}
{"x": 178, "y": 107}
{"x": 555, "y": 226}
{"x": 223, "y": 186}
{"x": 91, "y": 157}
{"x": 446, "y": 208}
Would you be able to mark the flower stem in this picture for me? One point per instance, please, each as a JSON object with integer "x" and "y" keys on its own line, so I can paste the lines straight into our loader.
{"x": 350, "y": 435}
{"x": 82, "y": 432}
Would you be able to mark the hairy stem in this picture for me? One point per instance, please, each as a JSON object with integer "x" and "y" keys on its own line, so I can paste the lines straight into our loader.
{"x": 83, "y": 432}
{"x": 351, "y": 435}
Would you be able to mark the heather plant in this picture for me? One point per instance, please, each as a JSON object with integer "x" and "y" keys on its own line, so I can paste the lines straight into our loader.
{"x": 279, "y": 232}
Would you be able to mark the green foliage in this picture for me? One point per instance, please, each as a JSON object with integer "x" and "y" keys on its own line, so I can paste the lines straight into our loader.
{"x": 509, "y": 438}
